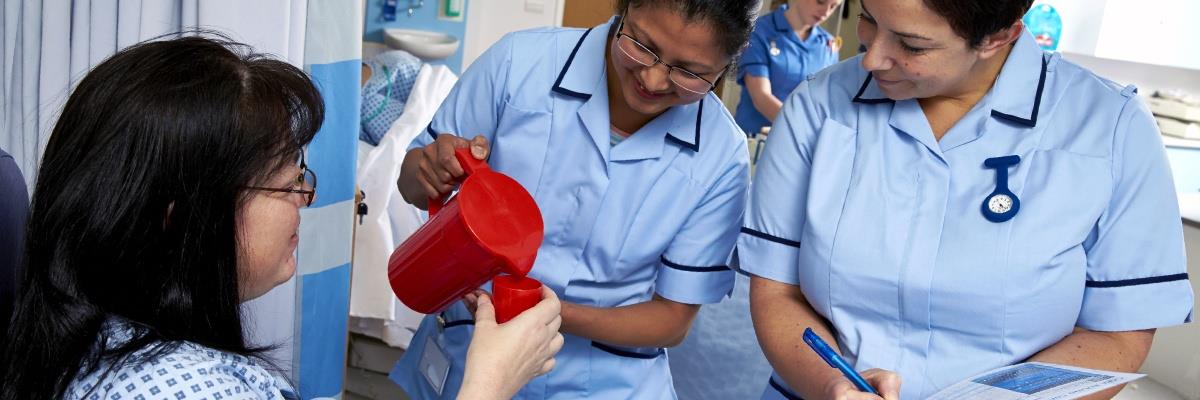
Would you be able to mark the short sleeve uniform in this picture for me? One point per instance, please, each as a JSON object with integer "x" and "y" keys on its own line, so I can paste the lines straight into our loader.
{"x": 883, "y": 227}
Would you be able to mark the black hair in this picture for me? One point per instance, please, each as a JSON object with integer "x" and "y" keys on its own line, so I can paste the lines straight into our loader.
{"x": 731, "y": 20}
{"x": 974, "y": 20}
{"x": 134, "y": 213}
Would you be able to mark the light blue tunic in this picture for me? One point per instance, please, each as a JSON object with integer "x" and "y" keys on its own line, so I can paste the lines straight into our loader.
{"x": 882, "y": 226}
{"x": 656, "y": 214}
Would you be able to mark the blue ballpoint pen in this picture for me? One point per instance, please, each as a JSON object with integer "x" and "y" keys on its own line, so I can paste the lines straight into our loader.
{"x": 836, "y": 361}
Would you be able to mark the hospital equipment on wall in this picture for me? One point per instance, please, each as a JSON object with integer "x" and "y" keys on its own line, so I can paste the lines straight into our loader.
{"x": 390, "y": 7}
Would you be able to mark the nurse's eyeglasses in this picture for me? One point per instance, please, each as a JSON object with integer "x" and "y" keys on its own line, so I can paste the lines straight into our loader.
{"x": 306, "y": 179}
{"x": 638, "y": 53}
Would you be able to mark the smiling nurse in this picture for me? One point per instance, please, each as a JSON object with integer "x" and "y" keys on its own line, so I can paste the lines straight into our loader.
{"x": 640, "y": 174}
{"x": 957, "y": 200}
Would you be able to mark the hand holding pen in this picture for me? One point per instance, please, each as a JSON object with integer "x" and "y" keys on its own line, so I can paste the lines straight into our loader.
{"x": 852, "y": 385}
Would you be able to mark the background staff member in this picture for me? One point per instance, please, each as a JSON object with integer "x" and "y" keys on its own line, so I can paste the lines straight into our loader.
{"x": 787, "y": 45}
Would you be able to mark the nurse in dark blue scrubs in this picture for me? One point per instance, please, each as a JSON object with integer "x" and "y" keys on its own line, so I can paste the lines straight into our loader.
{"x": 787, "y": 45}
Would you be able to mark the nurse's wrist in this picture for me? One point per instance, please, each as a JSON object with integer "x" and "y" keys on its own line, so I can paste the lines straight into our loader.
{"x": 409, "y": 183}
{"x": 569, "y": 312}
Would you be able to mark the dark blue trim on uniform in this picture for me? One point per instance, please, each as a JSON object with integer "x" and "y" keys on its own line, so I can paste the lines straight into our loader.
{"x": 429, "y": 128}
{"x": 1037, "y": 102}
{"x": 775, "y": 239}
{"x": 460, "y": 322}
{"x": 625, "y": 353}
{"x": 699, "y": 116}
{"x": 858, "y": 97}
{"x": 714, "y": 268}
{"x": 451, "y": 324}
{"x": 1138, "y": 281}
{"x": 563, "y": 73}
{"x": 783, "y": 391}
{"x": 681, "y": 143}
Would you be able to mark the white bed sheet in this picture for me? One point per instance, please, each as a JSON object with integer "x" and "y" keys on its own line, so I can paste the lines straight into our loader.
{"x": 374, "y": 309}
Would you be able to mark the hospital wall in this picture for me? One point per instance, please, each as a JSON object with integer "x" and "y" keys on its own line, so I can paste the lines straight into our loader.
{"x": 424, "y": 18}
{"x": 1147, "y": 77}
{"x": 484, "y": 22}
{"x": 496, "y": 18}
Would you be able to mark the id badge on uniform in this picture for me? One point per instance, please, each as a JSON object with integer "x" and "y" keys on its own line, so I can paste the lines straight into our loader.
{"x": 434, "y": 365}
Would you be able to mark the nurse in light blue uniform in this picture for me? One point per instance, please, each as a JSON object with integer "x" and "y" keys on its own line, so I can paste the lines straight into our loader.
{"x": 787, "y": 45}
{"x": 1038, "y": 222}
{"x": 641, "y": 176}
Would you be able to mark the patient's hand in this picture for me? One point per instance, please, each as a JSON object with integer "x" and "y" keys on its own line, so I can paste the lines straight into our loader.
{"x": 502, "y": 358}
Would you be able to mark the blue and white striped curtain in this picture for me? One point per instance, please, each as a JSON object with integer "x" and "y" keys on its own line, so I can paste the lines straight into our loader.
{"x": 332, "y": 55}
{"x": 47, "y": 46}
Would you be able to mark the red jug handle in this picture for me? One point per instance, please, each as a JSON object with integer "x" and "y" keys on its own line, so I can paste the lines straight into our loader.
{"x": 470, "y": 166}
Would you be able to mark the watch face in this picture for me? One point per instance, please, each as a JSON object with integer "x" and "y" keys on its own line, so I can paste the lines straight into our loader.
{"x": 1000, "y": 203}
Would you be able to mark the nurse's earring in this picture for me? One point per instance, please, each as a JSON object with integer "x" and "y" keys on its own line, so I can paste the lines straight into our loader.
{"x": 1002, "y": 204}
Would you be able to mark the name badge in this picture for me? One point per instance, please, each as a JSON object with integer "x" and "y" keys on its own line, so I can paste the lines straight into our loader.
{"x": 434, "y": 365}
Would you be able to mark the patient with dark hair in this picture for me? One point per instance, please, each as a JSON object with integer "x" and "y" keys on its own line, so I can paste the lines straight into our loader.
{"x": 168, "y": 195}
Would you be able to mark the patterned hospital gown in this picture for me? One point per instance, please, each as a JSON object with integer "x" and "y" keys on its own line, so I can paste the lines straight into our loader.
{"x": 190, "y": 372}
{"x": 393, "y": 74}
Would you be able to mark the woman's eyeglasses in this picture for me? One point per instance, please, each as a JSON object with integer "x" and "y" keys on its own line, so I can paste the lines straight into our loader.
{"x": 638, "y": 53}
{"x": 306, "y": 179}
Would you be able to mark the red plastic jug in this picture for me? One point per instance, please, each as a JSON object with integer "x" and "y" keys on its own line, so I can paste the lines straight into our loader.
{"x": 491, "y": 226}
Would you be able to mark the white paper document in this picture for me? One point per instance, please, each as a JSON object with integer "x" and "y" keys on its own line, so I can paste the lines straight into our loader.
{"x": 1034, "y": 381}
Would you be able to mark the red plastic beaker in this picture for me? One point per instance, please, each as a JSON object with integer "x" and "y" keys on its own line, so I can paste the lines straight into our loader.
{"x": 512, "y": 295}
